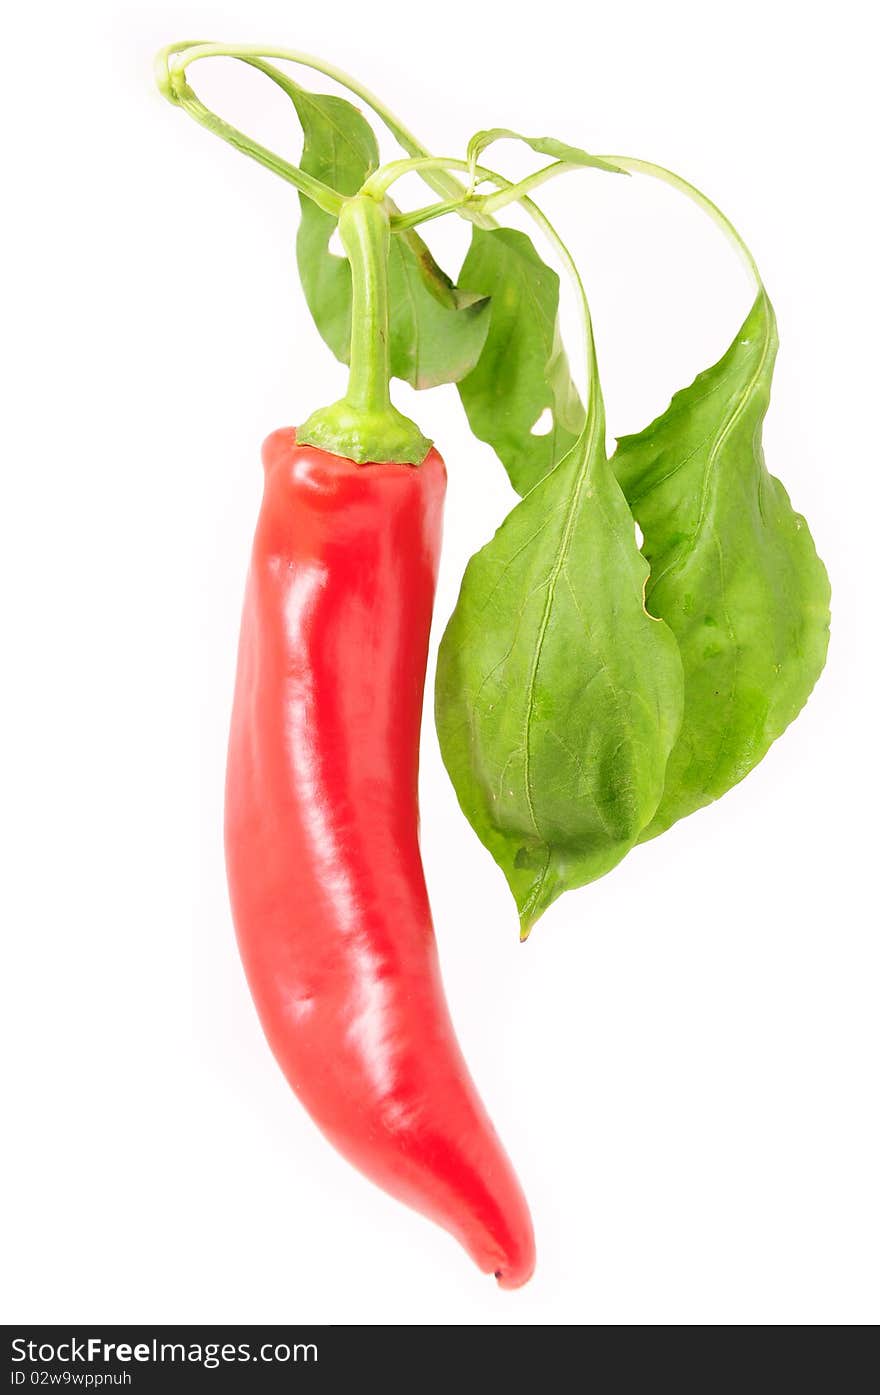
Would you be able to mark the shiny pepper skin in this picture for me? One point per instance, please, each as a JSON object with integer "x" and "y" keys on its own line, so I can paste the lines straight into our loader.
{"x": 325, "y": 875}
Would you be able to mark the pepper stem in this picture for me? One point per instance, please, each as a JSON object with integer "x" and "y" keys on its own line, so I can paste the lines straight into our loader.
{"x": 364, "y": 425}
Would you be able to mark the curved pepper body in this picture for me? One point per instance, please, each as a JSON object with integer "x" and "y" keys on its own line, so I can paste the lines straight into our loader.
{"x": 325, "y": 874}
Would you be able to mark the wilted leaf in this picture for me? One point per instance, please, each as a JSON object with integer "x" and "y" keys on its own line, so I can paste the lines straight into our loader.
{"x": 734, "y": 571}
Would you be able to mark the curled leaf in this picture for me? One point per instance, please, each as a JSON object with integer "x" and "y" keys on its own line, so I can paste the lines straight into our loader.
{"x": 734, "y": 571}
{"x": 438, "y": 329}
{"x": 522, "y": 372}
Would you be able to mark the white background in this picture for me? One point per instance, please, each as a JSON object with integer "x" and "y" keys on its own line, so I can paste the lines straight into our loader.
{"x": 683, "y": 1059}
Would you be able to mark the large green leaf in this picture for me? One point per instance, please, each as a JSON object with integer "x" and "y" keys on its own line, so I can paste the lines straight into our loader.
{"x": 523, "y": 369}
{"x": 558, "y": 697}
{"x": 734, "y": 571}
{"x": 436, "y": 332}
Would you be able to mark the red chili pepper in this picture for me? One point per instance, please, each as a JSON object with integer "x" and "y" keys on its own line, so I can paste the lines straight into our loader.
{"x": 322, "y": 844}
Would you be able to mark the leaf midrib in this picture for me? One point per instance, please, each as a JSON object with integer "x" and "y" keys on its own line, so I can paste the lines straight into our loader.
{"x": 730, "y": 421}
{"x": 555, "y": 572}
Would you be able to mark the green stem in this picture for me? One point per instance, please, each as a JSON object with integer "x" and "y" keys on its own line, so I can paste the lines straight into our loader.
{"x": 405, "y": 222}
{"x": 190, "y": 52}
{"x": 363, "y": 231}
{"x": 363, "y": 425}
{"x": 675, "y": 181}
{"x": 178, "y": 91}
{"x": 378, "y": 184}
{"x": 494, "y": 202}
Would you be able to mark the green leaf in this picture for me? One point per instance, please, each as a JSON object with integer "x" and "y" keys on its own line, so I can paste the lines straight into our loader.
{"x": 436, "y": 332}
{"x": 437, "y": 329}
{"x": 523, "y": 369}
{"x": 340, "y": 149}
{"x": 734, "y": 571}
{"x": 542, "y": 145}
{"x": 558, "y": 697}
